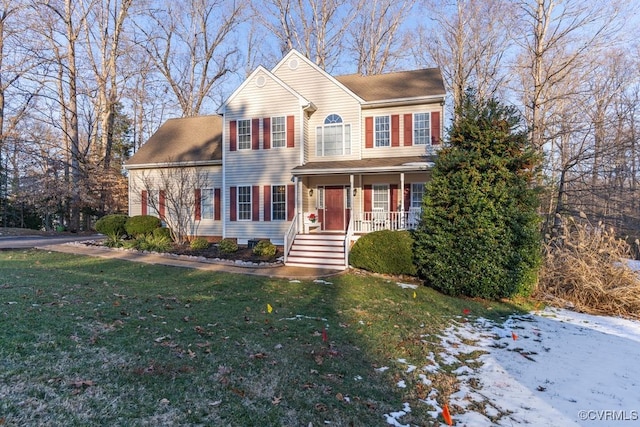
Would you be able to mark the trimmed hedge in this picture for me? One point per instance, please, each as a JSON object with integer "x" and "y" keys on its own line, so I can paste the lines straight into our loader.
{"x": 112, "y": 225}
{"x": 199, "y": 243}
{"x": 265, "y": 248}
{"x": 142, "y": 225}
{"x": 227, "y": 246}
{"x": 385, "y": 251}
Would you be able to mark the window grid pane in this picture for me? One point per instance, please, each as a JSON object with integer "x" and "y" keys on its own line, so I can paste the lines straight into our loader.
{"x": 244, "y": 134}
{"x": 279, "y": 202}
{"x": 278, "y": 132}
{"x": 153, "y": 201}
{"x": 206, "y": 203}
{"x": 382, "y": 132}
{"x": 381, "y": 197}
{"x": 244, "y": 203}
{"x": 334, "y": 138}
{"x": 421, "y": 129}
{"x": 417, "y": 193}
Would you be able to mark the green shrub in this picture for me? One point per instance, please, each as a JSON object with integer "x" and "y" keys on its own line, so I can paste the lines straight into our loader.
{"x": 199, "y": 243}
{"x": 227, "y": 246}
{"x": 385, "y": 251}
{"x": 162, "y": 232}
{"x": 112, "y": 225}
{"x": 142, "y": 225}
{"x": 479, "y": 232}
{"x": 151, "y": 243}
{"x": 265, "y": 248}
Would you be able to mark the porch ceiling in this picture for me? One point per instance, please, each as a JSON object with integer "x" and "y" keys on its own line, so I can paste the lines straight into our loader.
{"x": 377, "y": 165}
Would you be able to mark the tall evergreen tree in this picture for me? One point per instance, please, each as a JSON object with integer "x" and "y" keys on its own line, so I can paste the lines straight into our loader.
{"x": 479, "y": 232}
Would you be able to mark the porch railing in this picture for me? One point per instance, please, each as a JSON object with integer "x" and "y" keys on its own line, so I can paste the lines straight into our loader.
{"x": 290, "y": 237}
{"x": 366, "y": 222}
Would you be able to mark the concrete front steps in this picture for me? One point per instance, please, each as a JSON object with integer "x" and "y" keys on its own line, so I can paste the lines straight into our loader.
{"x": 317, "y": 250}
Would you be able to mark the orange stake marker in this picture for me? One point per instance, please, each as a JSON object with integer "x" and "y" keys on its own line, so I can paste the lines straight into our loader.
{"x": 324, "y": 335}
{"x": 446, "y": 415}
{"x": 514, "y": 335}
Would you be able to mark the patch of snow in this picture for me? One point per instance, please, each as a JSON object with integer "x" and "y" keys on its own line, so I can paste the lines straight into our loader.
{"x": 407, "y": 285}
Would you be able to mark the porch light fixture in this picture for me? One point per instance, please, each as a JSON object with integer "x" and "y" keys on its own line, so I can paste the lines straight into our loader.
{"x": 355, "y": 192}
{"x": 311, "y": 192}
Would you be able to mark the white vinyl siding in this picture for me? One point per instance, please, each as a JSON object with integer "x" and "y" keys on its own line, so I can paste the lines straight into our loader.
{"x": 278, "y": 202}
{"x": 244, "y": 203}
{"x": 278, "y": 132}
{"x": 382, "y": 133}
{"x": 422, "y": 129}
{"x": 244, "y": 134}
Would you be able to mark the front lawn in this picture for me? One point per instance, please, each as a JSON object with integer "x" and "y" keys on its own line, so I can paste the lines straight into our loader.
{"x": 88, "y": 341}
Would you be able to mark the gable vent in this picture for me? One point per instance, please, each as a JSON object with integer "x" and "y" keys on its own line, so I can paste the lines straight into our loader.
{"x": 294, "y": 63}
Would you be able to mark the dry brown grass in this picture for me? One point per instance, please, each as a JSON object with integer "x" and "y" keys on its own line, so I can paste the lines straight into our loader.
{"x": 585, "y": 268}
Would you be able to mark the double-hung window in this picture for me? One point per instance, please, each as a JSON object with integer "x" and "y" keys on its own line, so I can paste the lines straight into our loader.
{"x": 380, "y": 197}
{"x": 206, "y": 203}
{"x": 382, "y": 134}
{"x": 278, "y": 132}
{"x": 422, "y": 129}
{"x": 334, "y": 137}
{"x": 244, "y": 134}
{"x": 244, "y": 203}
{"x": 153, "y": 203}
{"x": 417, "y": 193}
{"x": 279, "y": 202}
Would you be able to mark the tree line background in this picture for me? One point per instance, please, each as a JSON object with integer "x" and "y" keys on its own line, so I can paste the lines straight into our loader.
{"x": 83, "y": 83}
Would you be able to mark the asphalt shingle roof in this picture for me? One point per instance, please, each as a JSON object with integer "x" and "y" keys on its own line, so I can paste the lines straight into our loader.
{"x": 399, "y": 85}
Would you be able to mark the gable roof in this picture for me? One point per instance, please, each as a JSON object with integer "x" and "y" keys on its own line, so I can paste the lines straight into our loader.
{"x": 425, "y": 83}
{"x": 191, "y": 140}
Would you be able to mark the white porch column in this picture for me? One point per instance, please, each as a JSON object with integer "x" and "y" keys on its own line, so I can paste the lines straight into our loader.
{"x": 299, "y": 202}
{"x": 402, "y": 199}
{"x": 351, "y": 198}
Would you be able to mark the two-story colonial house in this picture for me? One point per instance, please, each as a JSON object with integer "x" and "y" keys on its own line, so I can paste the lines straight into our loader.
{"x": 303, "y": 158}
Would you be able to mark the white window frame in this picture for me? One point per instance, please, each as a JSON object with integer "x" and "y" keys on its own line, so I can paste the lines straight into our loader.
{"x": 422, "y": 135}
{"x": 206, "y": 203}
{"x": 319, "y": 197}
{"x": 279, "y": 135}
{"x": 378, "y": 190}
{"x": 333, "y": 122}
{"x": 382, "y": 131}
{"x": 416, "y": 202}
{"x": 153, "y": 203}
{"x": 244, "y": 137}
{"x": 244, "y": 201}
{"x": 282, "y": 202}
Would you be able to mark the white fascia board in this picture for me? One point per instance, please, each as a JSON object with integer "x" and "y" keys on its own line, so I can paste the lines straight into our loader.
{"x": 174, "y": 164}
{"x": 399, "y": 102}
{"x": 382, "y": 169}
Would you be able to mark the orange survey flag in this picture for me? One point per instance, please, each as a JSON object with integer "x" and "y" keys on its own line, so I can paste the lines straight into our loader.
{"x": 446, "y": 415}
{"x": 324, "y": 334}
{"x": 514, "y": 335}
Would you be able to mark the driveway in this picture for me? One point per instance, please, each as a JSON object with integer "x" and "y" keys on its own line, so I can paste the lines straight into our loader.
{"x": 28, "y": 242}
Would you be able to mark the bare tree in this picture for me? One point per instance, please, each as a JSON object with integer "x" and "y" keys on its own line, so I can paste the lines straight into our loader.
{"x": 376, "y": 37}
{"x": 317, "y": 28}
{"x": 191, "y": 45}
{"x": 468, "y": 41}
{"x": 172, "y": 194}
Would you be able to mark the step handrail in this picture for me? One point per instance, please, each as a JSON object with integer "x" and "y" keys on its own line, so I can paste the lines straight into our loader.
{"x": 347, "y": 241}
{"x": 290, "y": 237}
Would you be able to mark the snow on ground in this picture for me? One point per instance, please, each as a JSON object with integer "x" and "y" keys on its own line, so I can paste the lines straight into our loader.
{"x": 549, "y": 368}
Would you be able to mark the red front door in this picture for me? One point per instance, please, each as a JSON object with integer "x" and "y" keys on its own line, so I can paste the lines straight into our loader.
{"x": 334, "y": 212}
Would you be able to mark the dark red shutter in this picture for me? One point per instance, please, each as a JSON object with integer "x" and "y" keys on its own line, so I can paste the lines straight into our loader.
{"x": 291, "y": 132}
{"x": 198, "y": 204}
{"x": 255, "y": 203}
{"x": 233, "y": 135}
{"x": 394, "y": 197}
{"x": 408, "y": 130}
{"x": 435, "y": 128}
{"x": 217, "y": 208}
{"x": 291, "y": 202}
{"x": 266, "y": 133}
{"x": 368, "y": 125}
{"x": 407, "y": 196}
{"x": 255, "y": 134}
{"x": 144, "y": 197}
{"x": 267, "y": 203}
{"x": 367, "y": 198}
{"x": 395, "y": 130}
{"x": 161, "y": 204}
{"x": 233, "y": 204}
